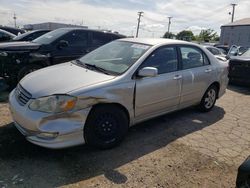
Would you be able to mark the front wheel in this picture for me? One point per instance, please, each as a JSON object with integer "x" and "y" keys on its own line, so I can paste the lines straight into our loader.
{"x": 209, "y": 99}
{"x": 106, "y": 126}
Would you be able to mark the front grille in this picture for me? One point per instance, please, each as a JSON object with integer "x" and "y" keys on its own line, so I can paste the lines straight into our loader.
{"x": 22, "y": 95}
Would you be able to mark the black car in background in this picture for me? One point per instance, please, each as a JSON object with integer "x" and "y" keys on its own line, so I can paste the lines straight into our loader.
{"x": 6, "y": 36}
{"x": 239, "y": 69}
{"x": 31, "y": 35}
{"x": 243, "y": 176}
{"x": 12, "y": 30}
{"x": 20, "y": 58}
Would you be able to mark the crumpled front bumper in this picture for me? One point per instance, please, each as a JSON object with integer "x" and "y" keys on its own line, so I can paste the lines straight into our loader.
{"x": 49, "y": 130}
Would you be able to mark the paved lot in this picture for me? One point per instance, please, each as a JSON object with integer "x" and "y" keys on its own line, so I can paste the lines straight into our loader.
{"x": 182, "y": 149}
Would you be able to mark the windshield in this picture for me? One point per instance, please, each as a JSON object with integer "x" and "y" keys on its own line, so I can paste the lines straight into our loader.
{"x": 50, "y": 36}
{"x": 22, "y": 35}
{"x": 246, "y": 53}
{"x": 115, "y": 57}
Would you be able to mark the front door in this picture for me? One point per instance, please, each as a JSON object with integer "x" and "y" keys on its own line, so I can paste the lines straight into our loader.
{"x": 159, "y": 94}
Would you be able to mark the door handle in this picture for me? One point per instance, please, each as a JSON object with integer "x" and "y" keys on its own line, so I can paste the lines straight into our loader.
{"x": 177, "y": 77}
{"x": 208, "y": 70}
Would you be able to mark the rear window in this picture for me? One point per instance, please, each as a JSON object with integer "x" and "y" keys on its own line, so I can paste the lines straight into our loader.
{"x": 100, "y": 38}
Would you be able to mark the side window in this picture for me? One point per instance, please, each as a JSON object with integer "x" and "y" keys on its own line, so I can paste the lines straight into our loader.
{"x": 164, "y": 59}
{"x": 100, "y": 38}
{"x": 191, "y": 57}
{"x": 76, "y": 38}
{"x": 36, "y": 35}
{"x": 215, "y": 51}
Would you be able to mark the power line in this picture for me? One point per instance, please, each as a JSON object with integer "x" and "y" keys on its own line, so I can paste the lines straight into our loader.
{"x": 140, "y": 14}
{"x": 14, "y": 17}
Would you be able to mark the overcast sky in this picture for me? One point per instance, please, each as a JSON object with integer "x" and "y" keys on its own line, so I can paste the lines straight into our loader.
{"x": 121, "y": 15}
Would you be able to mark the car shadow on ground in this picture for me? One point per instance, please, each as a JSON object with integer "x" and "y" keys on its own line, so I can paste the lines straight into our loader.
{"x": 239, "y": 89}
{"x": 41, "y": 167}
{"x": 4, "y": 96}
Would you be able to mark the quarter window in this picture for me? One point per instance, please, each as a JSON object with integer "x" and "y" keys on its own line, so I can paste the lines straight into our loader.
{"x": 192, "y": 57}
{"x": 164, "y": 59}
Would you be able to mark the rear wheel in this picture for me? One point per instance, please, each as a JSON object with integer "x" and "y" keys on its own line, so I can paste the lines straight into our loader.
{"x": 209, "y": 99}
{"x": 106, "y": 126}
{"x": 26, "y": 70}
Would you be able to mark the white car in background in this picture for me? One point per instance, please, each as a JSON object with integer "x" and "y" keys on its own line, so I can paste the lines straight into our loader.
{"x": 218, "y": 53}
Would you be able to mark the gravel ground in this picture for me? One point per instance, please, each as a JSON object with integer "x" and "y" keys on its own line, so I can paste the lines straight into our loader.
{"x": 182, "y": 149}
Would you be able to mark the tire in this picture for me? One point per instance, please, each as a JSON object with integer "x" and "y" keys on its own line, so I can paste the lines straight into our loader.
{"x": 26, "y": 70}
{"x": 106, "y": 126}
{"x": 209, "y": 98}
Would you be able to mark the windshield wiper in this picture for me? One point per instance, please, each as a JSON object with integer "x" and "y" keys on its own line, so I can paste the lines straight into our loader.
{"x": 97, "y": 68}
{"x": 94, "y": 67}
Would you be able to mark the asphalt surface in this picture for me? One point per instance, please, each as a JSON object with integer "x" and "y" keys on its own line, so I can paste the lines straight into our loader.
{"x": 182, "y": 149}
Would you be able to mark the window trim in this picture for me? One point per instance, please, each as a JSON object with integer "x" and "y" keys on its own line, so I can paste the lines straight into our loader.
{"x": 165, "y": 46}
{"x": 194, "y": 47}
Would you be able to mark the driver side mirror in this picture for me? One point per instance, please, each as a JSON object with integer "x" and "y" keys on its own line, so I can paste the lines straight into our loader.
{"x": 148, "y": 72}
{"x": 63, "y": 44}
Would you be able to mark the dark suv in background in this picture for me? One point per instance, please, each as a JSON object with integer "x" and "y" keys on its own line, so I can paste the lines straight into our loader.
{"x": 20, "y": 58}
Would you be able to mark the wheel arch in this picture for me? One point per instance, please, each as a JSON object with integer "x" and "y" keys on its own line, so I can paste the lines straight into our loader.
{"x": 115, "y": 105}
{"x": 217, "y": 85}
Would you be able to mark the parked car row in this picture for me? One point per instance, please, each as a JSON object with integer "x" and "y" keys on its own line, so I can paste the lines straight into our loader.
{"x": 17, "y": 59}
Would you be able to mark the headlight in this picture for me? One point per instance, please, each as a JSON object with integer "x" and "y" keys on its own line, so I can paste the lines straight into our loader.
{"x": 4, "y": 54}
{"x": 53, "y": 103}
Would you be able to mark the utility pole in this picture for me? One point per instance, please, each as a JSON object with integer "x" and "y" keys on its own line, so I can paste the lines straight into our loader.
{"x": 14, "y": 17}
{"x": 169, "y": 23}
{"x": 233, "y": 4}
{"x": 140, "y": 14}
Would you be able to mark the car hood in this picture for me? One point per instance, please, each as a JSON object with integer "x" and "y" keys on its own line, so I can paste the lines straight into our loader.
{"x": 61, "y": 79}
{"x": 15, "y": 46}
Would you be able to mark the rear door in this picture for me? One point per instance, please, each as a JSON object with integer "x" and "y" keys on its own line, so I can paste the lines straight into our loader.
{"x": 197, "y": 74}
{"x": 161, "y": 93}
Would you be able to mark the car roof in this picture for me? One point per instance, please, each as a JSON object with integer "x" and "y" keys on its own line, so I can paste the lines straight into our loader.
{"x": 8, "y": 33}
{"x": 207, "y": 46}
{"x": 39, "y": 30}
{"x": 155, "y": 41}
{"x": 86, "y": 29}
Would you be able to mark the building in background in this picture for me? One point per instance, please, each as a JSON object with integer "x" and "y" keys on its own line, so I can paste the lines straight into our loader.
{"x": 236, "y": 33}
{"x": 50, "y": 26}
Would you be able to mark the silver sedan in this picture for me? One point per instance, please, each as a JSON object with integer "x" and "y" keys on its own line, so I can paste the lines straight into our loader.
{"x": 95, "y": 99}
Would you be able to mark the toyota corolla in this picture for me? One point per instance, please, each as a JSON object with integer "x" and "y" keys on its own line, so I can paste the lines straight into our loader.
{"x": 96, "y": 98}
